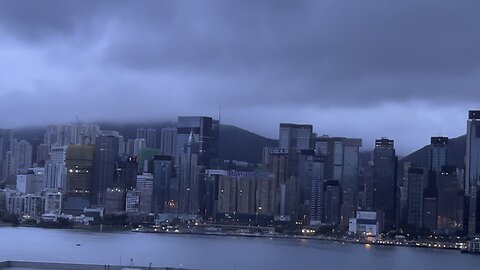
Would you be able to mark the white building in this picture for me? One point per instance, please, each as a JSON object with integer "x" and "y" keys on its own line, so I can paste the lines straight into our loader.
{"x": 365, "y": 223}
{"x": 132, "y": 201}
{"x": 55, "y": 169}
{"x": 33, "y": 205}
{"x": 53, "y": 203}
{"x": 14, "y": 202}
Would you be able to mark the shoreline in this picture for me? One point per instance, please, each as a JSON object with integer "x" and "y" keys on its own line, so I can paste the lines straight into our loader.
{"x": 108, "y": 229}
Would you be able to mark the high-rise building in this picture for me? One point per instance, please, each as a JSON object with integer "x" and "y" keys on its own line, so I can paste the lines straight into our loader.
{"x": 151, "y": 138}
{"x": 317, "y": 191}
{"x": 71, "y": 134}
{"x": 168, "y": 141}
{"x": 138, "y": 145}
{"x": 53, "y": 203}
{"x": 472, "y": 171}
{"x": 51, "y": 136}
{"x": 5, "y": 146}
{"x": 23, "y": 155}
{"x": 163, "y": 172}
{"x": 145, "y": 187}
{"x": 126, "y": 173}
{"x": 33, "y": 205}
{"x": 141, "y": 134}
{"x": 31, "y": 181}
{"x": 104, "y": 166}
{"x": 450, "y": 200}
{"x": 332, "y": 200}
{"x": 55, "y": 169}
{"x": 191, "y": 184}
{"x": 132, "y": 201}
{"x": 79, "y": 167}
{"x": 341, "y": 164}
{"x": 212, "y": 192}
{"x": 43, "y": 154}
{"x": 205, "y": 133}
{"x": 114, "y": 201}
{"x": 295, "y": 137}
{"x": 415, "y": 185}
{"x": 385, "y": 182}
{"x": 279, "y": 168}
{"x": 438, "y": 153}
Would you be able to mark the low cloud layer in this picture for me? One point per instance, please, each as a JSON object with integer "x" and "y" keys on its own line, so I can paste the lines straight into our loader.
{"x": 404, "y": 69}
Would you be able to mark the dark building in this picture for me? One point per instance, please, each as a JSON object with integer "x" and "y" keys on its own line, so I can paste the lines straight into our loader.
{"x": 415, "y": 186}
{"x": 472, "y": 172}
{"x": 450, "y": 201}
{"x": 293, "y": 138}
{"x": 79, "y": 165}
{"x": 126, "y": 175}
{"x": 315, "y": 168}
{"x": 5, "y": 146}
{"x": 43, "y": 154}
{"x": 163, "y": 172}
{"x": 151, "y": 138}
{"x": 332, "y": 199}
{"x": 385, "y": 182}
{"x": 211, "y": 190}
{"x": 205, "y": 131}
{"x": 438, "y": 153}
{"x": 104, "y": 166}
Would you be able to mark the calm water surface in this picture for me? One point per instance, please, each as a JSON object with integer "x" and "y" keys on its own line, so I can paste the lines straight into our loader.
{"x": 218, "y": 253}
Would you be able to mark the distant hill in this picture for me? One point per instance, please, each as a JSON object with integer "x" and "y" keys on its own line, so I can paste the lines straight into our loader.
{"x": 455, "y": 154}
{"x": 234, "y": 144}
{"x": 240, "y": 144}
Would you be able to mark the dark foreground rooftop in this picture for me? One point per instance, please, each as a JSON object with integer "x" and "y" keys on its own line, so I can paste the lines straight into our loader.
{"x": 27, "y": 265}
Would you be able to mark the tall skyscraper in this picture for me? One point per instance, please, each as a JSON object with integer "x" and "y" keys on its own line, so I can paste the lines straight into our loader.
{"x": 23, "y": 155}
{"x": 206, "y": 137}
{"x": 385, "y": 182}
{"x": 5, "y": 146}
{"x": 472, "y": 171}
{"x": 141, "y": 134}
{"x": 190, "y": 184}
{"x": 438, "y": 153}
{"x": 55, "y": 169}
{"x": 317, "y": 191}
{"x": 341, "y": 164}
{"x": 163, "y": 172}
{"x": 167, "y": 141}
{"x": 295, "y": 137}
{"x": 145, "y": 187}
{"x": 450, "y": 200}
{"x": 43, "y": 154}
{"x": 138, "y": 145}
{"x": 332, "y": 200}
{"x": 104, "y": 166}
{"x": 79, "y": 165}
{"x": 151, "y": 138}
{"x": 126, "y": 173}
{"x": 415, "y": 184}
{"x": 79, "y": 168}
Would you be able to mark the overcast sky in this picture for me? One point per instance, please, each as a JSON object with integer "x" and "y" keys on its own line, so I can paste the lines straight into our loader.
{"x": 405, "y": 69}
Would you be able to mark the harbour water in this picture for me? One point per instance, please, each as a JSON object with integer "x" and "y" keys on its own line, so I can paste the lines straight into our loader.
{"x": 217, "y": 252}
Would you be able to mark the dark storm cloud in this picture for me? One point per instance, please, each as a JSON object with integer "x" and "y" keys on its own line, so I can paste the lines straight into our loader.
{"x": 269, "y": 60}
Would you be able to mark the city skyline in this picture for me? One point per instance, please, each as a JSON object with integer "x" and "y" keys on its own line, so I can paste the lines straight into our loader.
{"x": 404, "y": 70}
